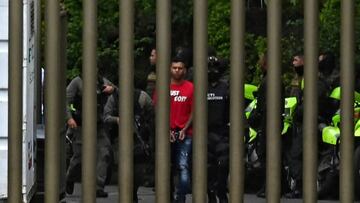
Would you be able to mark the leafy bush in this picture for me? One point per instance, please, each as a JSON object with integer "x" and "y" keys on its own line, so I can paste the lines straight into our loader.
{"x": 218, "y": 34}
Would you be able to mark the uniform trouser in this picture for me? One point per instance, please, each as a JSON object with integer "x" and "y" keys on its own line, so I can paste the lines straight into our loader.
{"x": 103, "y": 161}
{"x": 261, "y": 146}
{"x": 68, "y": 145}
{"x": 218, "y": 158}
{"x": 217, "y": 178}
{"x": 182, "y": 151}
{"x": 296, "y": 152}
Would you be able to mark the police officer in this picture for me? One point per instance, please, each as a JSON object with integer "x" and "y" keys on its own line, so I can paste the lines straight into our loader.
{"x": 143, "y": 132}
{"x": 294, "y": 155}
{"x": 257, "y": 119}
{"x": 74, "y": 93}
{"x": 328, "y": 70}
{"x": 325, "y": 111}
{"x": 218, "y": 140}
{"x": 151, "y": 75}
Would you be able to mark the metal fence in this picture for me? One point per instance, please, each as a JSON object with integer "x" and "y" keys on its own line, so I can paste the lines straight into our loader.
{"x": 236, "y": 185}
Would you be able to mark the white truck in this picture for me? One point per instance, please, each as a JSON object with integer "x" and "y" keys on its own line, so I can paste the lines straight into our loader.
{"x": 30, "y": 74}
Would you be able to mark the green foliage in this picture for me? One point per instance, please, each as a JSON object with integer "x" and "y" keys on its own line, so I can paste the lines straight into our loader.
{"x": 218, "y": 34}
{"x": 329, "y": 24}
{"x": 219, "y": 26}
{"x": 330, "y": 27}
{"x": 219, "y": 38}
{"x": 108, "y": 33}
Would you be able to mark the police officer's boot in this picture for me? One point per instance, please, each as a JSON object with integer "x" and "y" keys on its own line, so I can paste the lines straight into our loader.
{"x": 295, "y": 189}
{"x": 223, "y": 198}
{"x": 101, "y": 193}
{"x": 211, "y": 197}
{"x": 261, "y": 192}
{"x": 179, "y": 199}
{"x": 69, "y": 187}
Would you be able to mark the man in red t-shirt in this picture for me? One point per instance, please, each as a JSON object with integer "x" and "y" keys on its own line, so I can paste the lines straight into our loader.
{"x": 181, "y": 105}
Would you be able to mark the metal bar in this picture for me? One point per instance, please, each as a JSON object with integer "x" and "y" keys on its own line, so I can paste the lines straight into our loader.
{"x": 273, "y": 133}
{"x": 89, "y": 101}
{"x": 310, "y": 101}
{"x": 199, "y": 183}
{"x": 126, "y": 83}
{"x": 52, "y": 101}
{"x": 15, "y": 101}
{"x": 237, "y": 170}
{"x": 62, "y": 90}
{"x": 163, "y": 46}
{"x": 347, "y": 102}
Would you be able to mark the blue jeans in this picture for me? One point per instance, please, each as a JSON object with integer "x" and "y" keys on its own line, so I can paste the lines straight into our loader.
{"x": 182, "y": 162}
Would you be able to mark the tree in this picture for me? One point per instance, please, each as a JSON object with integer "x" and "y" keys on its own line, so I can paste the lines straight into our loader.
{"x": 218, "y": 33}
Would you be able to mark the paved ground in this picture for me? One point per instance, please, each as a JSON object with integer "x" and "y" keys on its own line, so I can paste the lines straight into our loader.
{"x": 147, "y": 195}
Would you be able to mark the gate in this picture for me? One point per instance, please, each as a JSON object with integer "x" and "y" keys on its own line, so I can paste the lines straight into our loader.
{"x": 236, "y": 185}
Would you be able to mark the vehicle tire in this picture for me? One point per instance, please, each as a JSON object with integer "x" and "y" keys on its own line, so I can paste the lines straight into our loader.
{"x": 357, "y": 172}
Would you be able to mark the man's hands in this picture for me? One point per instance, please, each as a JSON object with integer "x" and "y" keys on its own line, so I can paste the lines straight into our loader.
{"x": 180, "y": 135}
{"x": 72, "y": 123}
{"x": 172, "y": 136}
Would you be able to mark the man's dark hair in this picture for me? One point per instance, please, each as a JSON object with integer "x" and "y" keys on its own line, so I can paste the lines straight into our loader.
{"x": 178, "y": 59}
{"x": 300, "y": 55}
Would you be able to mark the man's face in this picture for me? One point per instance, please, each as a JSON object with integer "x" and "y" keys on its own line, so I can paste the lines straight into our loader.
{"x": 153, "y": 57}
{"x": 177, "y": 70}
{"x": 297, "y": 61}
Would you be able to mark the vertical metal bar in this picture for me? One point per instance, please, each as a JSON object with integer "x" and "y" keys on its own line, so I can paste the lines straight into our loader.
{"x": 126, "y": 83}
{"x": 200, "y": 108}
{"x": 310, "y": 101}
{"x": 347, "y": 104}
{"x": 162, "y": 174}
{"x": 62, "y": 90}
{"x": 273, "y": 133}
{"x": 15, "y": 101}
{"x": 52, "y": 101}
{"x": 237, "y": 106}
{"x": 89, "y": 101}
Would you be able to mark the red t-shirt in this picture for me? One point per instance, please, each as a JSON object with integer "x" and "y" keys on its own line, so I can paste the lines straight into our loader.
{"x": 181, "y": 104}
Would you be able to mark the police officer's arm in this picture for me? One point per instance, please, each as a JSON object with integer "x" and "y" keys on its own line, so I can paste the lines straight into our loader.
{"x": 71, "y": 90}
{"x": 260, "y": 110}
{"x": 227, "y": 109}
{"x": 109, "y": 86}
{"x": 147, "y": 107}
{"x": 324, "y": 104}
{"x": 109, "y": 115}
{"x": 145, "y": 102}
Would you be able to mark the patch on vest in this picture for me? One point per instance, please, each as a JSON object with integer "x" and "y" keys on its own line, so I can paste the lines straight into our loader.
{"x": 212, "y": 96}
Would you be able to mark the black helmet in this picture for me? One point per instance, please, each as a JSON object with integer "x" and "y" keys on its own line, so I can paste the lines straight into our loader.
{"x": 327, "y": 63}
{"x": 213, "y": 62}
{"x": 214, "y": 72}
